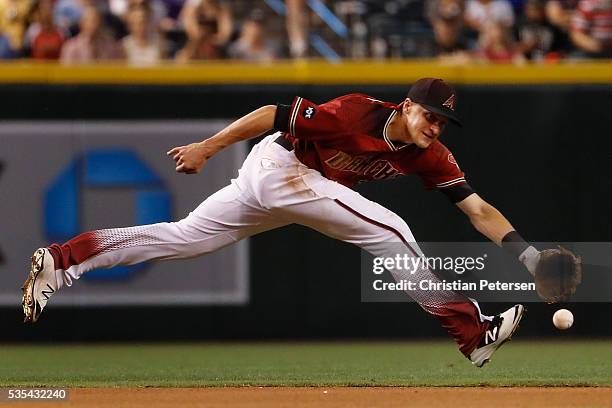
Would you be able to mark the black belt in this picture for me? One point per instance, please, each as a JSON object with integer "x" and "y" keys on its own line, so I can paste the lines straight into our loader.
{"x": 284, "y": 142}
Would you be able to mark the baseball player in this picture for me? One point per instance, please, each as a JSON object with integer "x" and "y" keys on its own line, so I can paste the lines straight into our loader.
{"x": 301, "y": 172}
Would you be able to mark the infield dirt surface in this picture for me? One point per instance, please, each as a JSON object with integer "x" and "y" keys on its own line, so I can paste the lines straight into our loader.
{"x": 327, "y": 397}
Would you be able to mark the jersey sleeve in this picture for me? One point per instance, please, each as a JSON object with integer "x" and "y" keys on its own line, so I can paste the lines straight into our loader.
{"x": 442, "y": 171}
{"x": 582, "y": 18}
{"x": 445, "y": 175}
{"x": 458, "y": 193}
{"x": 309, "y": 121}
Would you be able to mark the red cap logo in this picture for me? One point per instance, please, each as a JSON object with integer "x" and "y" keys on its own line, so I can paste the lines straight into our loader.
{"x": 450, "y": 102}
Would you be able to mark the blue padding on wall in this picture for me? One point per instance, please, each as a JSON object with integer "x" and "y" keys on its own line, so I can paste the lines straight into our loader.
{"x": 152, "y": 207}
{"x": 61, "y": 204}
{"x": 116, "y": 168}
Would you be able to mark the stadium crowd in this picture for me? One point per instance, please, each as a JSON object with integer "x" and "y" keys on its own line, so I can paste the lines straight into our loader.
{"x": 145, "y": 32}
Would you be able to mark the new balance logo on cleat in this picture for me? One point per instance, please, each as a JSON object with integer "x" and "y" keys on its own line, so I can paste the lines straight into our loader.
{"x": 500, "y": 331}
{"x": 491, "y": 335}
{"x": 47, "y": 293}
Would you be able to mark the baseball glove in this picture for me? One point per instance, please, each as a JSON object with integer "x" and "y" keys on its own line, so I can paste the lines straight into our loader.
{"x": 557, "y": 274}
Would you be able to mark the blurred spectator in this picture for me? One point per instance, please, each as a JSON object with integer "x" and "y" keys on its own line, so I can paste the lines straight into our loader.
{"x": 157, "y": 11}
{"x": 6, "y": 52}
{"x": 163, "y": 20}
{"x": 297, "y": 28}
{"x": 536, "y": 36}
{"x": 209, "y": 25}
{"x": 201, "y": 44}
{"x": 446, "y": 18}
{"x": 174, "y": 36}
{"x": 141, "y": 46}
{"x": 447, "y": 10}
{"x": 496, "y": 45}
{"x": 67, "y": 14}
{"x": 252, "y": 44}
{"x": 94, "y": 43}
{"x": 479, "y": 13}
{"x": 591, "y": 28}
{"x": 173, "y": 8}
{"x": 43, "y": 38}
{"x": 559, "y": 12}
{"x": 518, "y": 5}
{"x": 14, "y": 20}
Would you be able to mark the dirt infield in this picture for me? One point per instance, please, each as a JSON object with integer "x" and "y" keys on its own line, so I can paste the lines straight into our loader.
{"x": 320, "y": 397}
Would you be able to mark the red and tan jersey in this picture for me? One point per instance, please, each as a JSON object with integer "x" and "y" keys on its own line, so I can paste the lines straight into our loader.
{"x": 594, "y": 17}
{"x": 347, "y": 140}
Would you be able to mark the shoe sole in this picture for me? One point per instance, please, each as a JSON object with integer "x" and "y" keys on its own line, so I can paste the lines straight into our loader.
{"x": 36, "y": 266}
{"x": 507, "y": 339}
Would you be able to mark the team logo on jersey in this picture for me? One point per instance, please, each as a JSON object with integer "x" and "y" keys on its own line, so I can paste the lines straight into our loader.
{"x": 309, "y": 112}
{"x": 451, "y": 159}
{"x": 373, "y": 169}
{"x": 450, "y": 102}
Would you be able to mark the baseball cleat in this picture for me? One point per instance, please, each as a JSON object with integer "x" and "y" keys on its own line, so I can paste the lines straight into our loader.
{"x": 501, "y": 329}
{"x": 39, "y": 286}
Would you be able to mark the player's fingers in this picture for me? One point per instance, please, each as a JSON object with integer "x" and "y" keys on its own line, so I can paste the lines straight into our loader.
{"x": 177, "y": 156}
{"x": 173, "y": 150}
{"x": 184, "y": 167}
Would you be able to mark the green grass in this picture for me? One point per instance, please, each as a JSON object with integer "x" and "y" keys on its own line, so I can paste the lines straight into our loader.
{"x": 519, "y": 363}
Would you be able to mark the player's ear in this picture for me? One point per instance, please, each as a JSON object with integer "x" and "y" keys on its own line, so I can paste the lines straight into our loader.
{"x": 406, "y": 105}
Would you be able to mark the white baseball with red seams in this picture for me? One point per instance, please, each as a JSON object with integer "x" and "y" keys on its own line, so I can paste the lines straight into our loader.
{"x": 563, "y": 319}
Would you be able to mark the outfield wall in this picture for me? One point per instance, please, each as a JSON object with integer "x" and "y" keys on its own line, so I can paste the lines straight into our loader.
{"x": 539, "y": 153}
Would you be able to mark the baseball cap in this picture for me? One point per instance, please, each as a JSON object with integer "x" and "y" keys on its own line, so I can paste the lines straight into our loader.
{"x": 436, "y": 96}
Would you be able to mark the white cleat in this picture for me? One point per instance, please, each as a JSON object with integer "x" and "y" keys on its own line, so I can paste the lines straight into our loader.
{"x": 40, "y": 285}
{"x": 500, "y": 331}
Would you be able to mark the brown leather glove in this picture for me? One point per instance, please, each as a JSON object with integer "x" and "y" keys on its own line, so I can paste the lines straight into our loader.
{"x": 557, "y": 274}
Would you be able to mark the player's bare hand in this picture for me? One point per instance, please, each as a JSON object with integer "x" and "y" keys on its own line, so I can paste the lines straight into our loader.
{"x": 190, "y": 159}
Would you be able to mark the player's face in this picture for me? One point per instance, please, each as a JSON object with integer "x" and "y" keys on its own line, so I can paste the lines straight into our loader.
{"x": 423, "y": 126}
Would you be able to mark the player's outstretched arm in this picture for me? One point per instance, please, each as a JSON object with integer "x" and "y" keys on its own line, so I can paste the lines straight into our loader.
{"x": 557, "y": 272}
{"x": 492, "y": 224}
{"x": 485, "y": 218}
{"x": 190, "y": 159}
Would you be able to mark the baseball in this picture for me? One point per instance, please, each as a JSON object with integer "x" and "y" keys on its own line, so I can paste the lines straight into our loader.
{"x": 563, "y": 319}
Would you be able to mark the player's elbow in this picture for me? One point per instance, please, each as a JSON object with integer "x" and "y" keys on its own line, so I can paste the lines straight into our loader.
{"x": 268, "y": 109}
{"x": 267, "y": 112}
{"x": 262, "y": 119}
